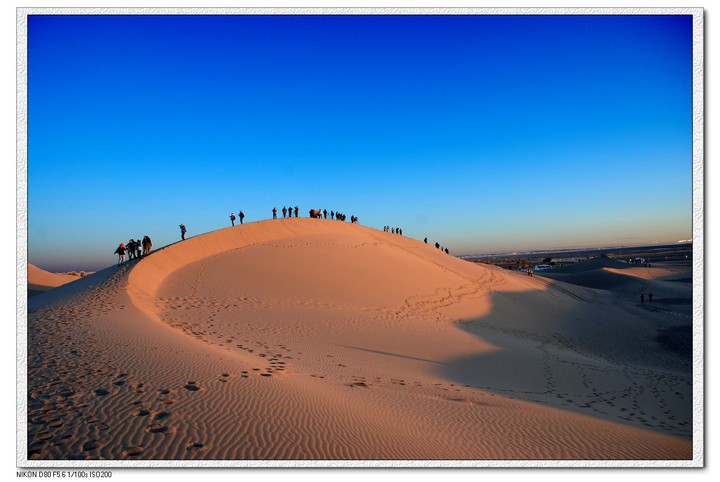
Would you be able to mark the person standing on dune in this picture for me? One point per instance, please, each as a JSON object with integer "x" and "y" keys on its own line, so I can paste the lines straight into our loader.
{"x": 242, "y": 216}
{"x": 274, "y": 213}
{"x": 182, "y": 231}
{"x": 120, "y": 251}
{"x": 147, "y": 245}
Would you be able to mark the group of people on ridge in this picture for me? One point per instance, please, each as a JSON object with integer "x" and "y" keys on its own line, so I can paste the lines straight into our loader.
{"x": 137, "y": 249}
{"x": 240, "y": 215}
{"x": 313, "y": 213}
{"x": 323, "y": 214}
{"x": 437, "y": 245}
{"x": 287, "y": 212}
{"x": 134, "y": 249}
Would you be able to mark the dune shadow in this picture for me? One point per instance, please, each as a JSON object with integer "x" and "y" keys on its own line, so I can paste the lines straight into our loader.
{"x": 596, "y": 358}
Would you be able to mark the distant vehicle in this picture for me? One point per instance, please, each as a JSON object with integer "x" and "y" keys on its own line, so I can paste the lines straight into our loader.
{"x": 542, "y": 267}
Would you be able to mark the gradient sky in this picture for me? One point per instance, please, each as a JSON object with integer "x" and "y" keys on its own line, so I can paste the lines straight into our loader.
{"x": 485, "y": 133}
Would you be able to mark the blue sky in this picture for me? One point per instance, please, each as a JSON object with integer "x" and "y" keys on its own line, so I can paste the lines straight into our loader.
{"x": 485, "y": 133}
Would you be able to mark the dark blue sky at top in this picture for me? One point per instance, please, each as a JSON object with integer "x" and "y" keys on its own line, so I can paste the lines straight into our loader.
{"x": 487, "y": 133}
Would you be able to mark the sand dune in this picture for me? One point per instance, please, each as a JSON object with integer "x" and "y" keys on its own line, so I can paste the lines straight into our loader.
{"x": 40, "y": 280}
{"x": 306, "y": 339}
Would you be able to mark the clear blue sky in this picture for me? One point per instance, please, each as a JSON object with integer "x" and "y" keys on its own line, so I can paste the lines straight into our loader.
{"x": 485, "y": 133}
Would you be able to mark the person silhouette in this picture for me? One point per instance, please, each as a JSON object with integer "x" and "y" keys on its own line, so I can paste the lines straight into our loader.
{"x": 120, "y": 251}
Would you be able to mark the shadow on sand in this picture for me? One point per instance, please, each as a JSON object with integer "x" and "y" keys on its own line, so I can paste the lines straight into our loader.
{"x": 600, "y": 358}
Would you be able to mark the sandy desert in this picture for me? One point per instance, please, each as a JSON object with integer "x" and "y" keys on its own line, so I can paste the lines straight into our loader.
{"x": 308, "y": 340}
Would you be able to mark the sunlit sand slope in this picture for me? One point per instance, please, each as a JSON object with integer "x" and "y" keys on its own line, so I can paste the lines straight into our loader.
{"x": 317, "y": 339}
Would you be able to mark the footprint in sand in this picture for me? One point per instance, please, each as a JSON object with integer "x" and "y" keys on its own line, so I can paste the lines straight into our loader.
{"x": 161, "y": 415}
{"x": 196, "y": 446}
{"x": 191, "y": 386}
{"x": 156, "y": 428}
{"x": 133, "y": 451}
{"x": 90, "y": 445}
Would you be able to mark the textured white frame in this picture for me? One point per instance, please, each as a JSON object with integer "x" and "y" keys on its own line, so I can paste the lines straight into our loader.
{"x": 698, "y": 197}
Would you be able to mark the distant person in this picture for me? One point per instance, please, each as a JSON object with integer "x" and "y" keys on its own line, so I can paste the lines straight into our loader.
{"x": 284, "y": 210}
{"x": 447, "y": 251}
{"x": 425, "y": 240}
{"x": 120, "y": 251}
{"x": 297, "y": 211}
{"x": 650, "y": 298}
{"x": 138, "y": 249}
{"x": 274, "y": 213}
{"x": 182, "y": 231}
{"x": 232, "y": 219}
{"x": 242, "y": 216}
{"x": 130, "y": 249}
{"x": 325, "y": 213}
{"x": 332, "y": 214}
{"x": 147, "y": 245}
{"x": 530, "y": 272}
{"x": 642, "y": 298}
